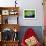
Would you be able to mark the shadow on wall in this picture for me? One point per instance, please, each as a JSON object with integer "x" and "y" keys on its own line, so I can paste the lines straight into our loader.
{"x": 37, "y": 29}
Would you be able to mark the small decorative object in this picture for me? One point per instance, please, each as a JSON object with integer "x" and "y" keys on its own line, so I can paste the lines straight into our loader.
{"x": 5, "y": 12}
{"x": 15, "y": 34}
{"x": 29, "y": 14}
{"x": 13, "y": 12}
{"x": 7, "y": 34}
{"x": 6, "y": 21}
{"x": 15, "y": 30}
{"x": 15, "y": 37}
{"x": 15, "y": 3}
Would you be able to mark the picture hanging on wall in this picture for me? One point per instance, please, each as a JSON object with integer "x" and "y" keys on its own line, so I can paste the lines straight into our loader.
{"x": 29, "y": 13}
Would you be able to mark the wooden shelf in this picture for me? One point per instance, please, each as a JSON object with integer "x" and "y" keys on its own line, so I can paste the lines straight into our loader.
{"x": 12, "y": 43}
{"x": 4, "y": 13}
{"x": 11, "y": 26}
{"x": 9, "y": 8}
{"x": 9, "y": 43}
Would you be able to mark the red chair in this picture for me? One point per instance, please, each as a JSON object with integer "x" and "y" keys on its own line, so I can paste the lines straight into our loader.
{"x": 29, "y": 33}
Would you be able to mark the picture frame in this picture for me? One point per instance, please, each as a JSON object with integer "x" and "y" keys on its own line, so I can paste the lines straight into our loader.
{"x": 29, "y": 13}
{"x": 5, "y": 12}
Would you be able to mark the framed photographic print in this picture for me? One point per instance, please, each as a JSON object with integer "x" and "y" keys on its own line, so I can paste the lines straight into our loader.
{"x": 29, "y": 13}
{"x": 5, "y": 12}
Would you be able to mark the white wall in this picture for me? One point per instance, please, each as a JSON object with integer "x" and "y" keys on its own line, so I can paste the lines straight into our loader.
{"x": 27, "y": 4}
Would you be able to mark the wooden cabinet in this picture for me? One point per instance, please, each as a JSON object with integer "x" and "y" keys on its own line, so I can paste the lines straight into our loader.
{"x": 7, "y": 26}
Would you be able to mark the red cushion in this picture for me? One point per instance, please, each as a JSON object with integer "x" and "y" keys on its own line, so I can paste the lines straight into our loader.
{"x": 29, "y": 33}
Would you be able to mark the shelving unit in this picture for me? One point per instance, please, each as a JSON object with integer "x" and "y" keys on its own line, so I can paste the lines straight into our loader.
{"x": 5, "y": 13}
